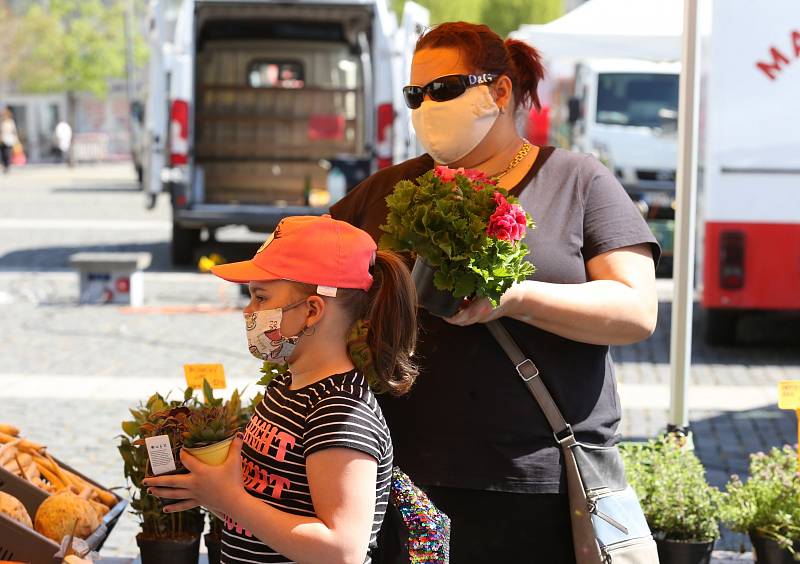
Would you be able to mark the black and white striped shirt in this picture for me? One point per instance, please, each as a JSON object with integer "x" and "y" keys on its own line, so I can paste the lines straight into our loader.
{"x": 287, "y": 426}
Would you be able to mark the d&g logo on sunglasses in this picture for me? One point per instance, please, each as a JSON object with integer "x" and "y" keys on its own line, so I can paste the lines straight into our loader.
{"x": 479, "y": 79}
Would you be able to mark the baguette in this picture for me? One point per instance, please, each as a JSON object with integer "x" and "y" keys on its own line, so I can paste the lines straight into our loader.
{"x": 9, "y": 430}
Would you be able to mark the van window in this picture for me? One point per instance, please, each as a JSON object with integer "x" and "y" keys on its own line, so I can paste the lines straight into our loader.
{"x": 276, "y": 74}
{"x": 639, "y": 99}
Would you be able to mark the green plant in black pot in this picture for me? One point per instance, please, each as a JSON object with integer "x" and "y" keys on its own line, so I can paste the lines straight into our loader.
{"x": 164, "y": 538}
{"x": 681, "y": 507}
{"x": 466, "y": 232}
{"x": 767, "y": 506}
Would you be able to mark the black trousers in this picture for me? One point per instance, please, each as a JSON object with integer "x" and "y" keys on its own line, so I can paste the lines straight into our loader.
{"x": 498, "y": 527}
{"x": 5, "y": 155}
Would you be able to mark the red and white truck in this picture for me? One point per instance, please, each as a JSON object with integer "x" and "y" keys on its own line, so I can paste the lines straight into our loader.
{"x": 751, "y": 190}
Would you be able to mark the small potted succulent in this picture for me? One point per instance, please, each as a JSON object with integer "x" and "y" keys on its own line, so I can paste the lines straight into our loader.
{"x": 208, "y": 433}
{"x": 240, "y": 414}
{"x": 466, "y": 232}
{"x": 767, "y": 506}
{"x": 208, "y": 430}
{"x": 164, "y": 538}
{"x": 681, "y": 508}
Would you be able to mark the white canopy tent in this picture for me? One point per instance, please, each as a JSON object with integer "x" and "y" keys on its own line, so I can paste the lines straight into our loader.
{"x": 655, "y": 30}
{"x": 636, "y": 29}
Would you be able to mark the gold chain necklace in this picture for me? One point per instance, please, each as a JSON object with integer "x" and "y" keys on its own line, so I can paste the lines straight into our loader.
{"x": 518, "y": 158}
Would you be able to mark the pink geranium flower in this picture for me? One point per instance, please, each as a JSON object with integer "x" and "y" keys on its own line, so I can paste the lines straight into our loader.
{"x": 447, "y": 174}
{"x": 444, "y": 173}
{"x": 508, "y": 221}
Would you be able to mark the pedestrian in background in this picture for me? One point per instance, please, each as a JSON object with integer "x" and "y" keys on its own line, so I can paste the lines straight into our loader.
{"x": 63, "y": 139}
{"x": 8, "y": 137}
{"x": 469, "y": 433}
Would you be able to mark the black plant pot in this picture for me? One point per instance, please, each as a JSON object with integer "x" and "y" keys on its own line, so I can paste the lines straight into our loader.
{"x": 437, "y": 302}
{"x": 182, "y": 550}
{"x": 767, "y": 551}
{"x": 214, "y": 545}
{"x": 684, "y": 552}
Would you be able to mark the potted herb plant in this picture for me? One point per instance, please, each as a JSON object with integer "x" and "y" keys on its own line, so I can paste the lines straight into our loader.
{"x": 164, "y": 538}
{"x": 681, "y": 508}
{"x": 466, "y": 232}
{"x": 767, "y": 506}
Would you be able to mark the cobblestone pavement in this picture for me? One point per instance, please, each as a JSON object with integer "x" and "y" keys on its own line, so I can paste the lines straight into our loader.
{"x": 70, "y": 373}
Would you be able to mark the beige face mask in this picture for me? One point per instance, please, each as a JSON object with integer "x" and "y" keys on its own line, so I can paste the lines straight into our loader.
{"x": 450, "y": 130}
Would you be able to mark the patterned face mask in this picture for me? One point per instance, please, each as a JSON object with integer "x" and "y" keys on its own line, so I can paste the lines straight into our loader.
{"x": 264, "y": 338}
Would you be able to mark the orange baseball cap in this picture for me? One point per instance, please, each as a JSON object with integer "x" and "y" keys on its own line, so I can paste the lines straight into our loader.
{"x": 309, "y": 249}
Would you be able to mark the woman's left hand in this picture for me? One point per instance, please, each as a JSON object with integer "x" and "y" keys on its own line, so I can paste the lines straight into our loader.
{"x": 213, "y": 487}
{"x": 481, "y": 310}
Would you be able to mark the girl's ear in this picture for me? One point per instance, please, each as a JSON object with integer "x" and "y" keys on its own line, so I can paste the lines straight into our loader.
{"x": 316, "y": 309}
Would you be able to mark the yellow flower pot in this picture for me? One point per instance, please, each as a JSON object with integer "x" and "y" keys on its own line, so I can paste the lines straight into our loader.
{"x": 213, "y": 455}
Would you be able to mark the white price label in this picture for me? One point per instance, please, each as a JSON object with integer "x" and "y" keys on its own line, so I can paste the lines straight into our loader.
{"x": 160, "y": 452}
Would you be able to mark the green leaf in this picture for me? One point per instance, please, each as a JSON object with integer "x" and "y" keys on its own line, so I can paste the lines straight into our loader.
{"x": 464, "y": 285}
{"x": 130, "y": 428}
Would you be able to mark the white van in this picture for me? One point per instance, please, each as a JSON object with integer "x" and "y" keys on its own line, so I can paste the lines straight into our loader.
{"x": 277, "y": 109}
{"x": 625, "y": 112}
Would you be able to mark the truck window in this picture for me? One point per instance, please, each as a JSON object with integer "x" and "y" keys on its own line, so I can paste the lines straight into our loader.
{"x": 276, "y": 74}
{"x": 636, "y": 99}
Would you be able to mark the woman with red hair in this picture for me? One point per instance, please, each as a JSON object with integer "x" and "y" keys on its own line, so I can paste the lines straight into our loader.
{"x": 469, "y": 433}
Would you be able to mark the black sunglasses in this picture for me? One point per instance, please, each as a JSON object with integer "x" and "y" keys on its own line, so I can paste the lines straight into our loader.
{"x": 444, "y": 88}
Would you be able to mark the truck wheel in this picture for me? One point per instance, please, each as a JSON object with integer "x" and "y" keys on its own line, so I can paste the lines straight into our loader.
{"x": 183, "y": 243}
{"x": 721, "y": 326}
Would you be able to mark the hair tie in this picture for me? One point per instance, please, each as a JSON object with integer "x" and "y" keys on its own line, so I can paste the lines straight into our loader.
{"x": 361, "y": 354}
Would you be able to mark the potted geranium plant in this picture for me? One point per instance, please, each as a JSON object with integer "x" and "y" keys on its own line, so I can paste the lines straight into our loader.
{"x": 681, "y": 508}
{"x": 466, "y": 232}
{"x": 164, "y": 538}
{"x": 767, "y": 506}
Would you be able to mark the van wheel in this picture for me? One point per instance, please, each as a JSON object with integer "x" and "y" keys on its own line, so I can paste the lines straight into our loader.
{"x": 721, "y": 326}
{"x": 184, "y": 242}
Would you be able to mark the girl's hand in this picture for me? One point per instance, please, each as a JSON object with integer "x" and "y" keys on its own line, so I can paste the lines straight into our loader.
{"x": 214, "y": 487}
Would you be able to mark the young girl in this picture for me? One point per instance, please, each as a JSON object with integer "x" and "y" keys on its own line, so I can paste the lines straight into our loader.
{"x": 309, "y": 481}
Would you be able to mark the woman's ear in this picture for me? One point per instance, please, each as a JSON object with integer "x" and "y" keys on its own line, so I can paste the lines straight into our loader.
{"x": 503, "y": 88}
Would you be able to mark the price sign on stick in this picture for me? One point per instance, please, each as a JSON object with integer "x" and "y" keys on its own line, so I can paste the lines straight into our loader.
{"x": 789, "y": 398}
{"x": 196, "y": 373}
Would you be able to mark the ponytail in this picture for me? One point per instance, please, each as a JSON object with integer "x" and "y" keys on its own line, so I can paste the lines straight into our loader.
{"x": 528, "y": 71}
{"x": 384, "y": 330}
{"x": 392, "y": 320}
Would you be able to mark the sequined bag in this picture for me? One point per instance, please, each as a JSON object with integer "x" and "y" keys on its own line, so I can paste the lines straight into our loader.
{"x": 414, "y": 530}
{"x": 608, "y": 524}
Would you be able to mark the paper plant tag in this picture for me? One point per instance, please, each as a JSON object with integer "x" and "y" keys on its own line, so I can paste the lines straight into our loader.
{"x": 196, "y": 373}
{"x": 160, "y": 452}
{"x": 789, "y": 394}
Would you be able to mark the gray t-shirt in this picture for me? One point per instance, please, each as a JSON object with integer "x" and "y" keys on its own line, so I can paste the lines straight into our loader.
{"x": 469, "y": 422}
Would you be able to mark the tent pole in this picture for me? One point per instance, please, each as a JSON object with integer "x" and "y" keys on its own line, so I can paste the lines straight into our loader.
{"x": 686, "y": 197}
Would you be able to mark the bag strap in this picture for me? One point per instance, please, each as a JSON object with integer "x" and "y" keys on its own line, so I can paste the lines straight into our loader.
{"x": 529, "y": 373}
{"x": 583, "y": 535}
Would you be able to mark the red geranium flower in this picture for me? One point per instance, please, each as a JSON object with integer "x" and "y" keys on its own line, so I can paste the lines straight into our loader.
{"x": 508, "y": 221}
